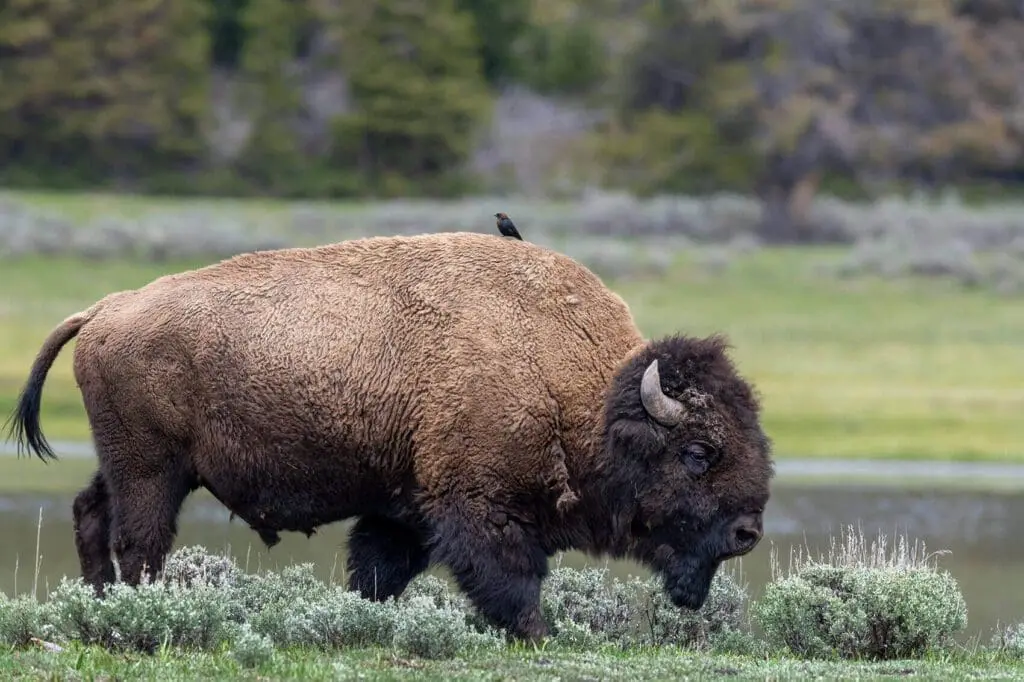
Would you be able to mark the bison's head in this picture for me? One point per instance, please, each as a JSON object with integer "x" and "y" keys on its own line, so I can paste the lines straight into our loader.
{"x": 686, "y": 465}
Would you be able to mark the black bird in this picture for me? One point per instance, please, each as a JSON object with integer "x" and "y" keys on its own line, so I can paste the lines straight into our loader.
{"x": 506, "y": 227}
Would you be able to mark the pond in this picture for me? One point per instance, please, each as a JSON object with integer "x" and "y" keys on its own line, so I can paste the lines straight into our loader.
{"x": 978, "y": 528}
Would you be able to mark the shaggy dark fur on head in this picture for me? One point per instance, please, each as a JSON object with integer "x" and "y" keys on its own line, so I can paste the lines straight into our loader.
{"x": 678, "y": 492}
{"x": 685, "y": 362}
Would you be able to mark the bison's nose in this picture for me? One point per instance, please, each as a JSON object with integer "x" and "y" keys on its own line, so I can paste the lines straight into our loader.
{"x": 745, "y": 533}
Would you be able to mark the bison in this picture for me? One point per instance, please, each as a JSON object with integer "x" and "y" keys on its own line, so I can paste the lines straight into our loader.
{"x": 476, "y": 402}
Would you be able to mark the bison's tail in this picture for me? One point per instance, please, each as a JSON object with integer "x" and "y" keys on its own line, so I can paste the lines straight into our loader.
{"x": 23, "y": 424}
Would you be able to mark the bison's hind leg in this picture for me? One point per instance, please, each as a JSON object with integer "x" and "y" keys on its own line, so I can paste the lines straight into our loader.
{"x": 92, "y": 533}
{"x": 147, "y": 482}
{"x": 146, "y": 522}
{"x": 383, "y": 557}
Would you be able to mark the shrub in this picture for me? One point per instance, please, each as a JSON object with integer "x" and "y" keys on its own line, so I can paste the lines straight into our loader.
{"x": 1010, "y": 641}
{"x": 862, "y": 602}
{"x": 294, "y": 608}
{"x": 251, "y": 649}
{"x": 614, "y": 234}
{"x": 437, "y": 591}
{"x": 969, "y": 246}
{"x": 159, "y": 236}
{"x": 663, "y": 623}
{"x": 205, "y": 602}
{"x": 193, "y": 565}
{"x": 21, "y": 619}
{"x": 268, "y": 598}
{"x": 141, "y": 618}
{"x": 331, "y": 619}
{"x": 859, "y": 602}
{"x": 585, "y": 608}
{"x": 613, "y": 259}
{"x": 424, "y": 629}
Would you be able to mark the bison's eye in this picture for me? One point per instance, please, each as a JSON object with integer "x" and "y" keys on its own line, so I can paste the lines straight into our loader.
{"x": 698, "y": 457}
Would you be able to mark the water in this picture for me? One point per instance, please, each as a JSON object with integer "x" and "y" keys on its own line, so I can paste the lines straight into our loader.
{"x": 976, "y": 526}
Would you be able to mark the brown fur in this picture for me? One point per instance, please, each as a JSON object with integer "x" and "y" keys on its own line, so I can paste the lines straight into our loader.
{"x": 473, "y": 400}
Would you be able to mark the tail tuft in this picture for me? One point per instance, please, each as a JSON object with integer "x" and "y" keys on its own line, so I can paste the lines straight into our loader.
{"x": 23, "y": 424}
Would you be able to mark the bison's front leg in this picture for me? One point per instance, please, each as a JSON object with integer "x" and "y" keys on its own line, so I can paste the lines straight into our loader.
{"x": 500, "y": 567}
{"x": 383, "y": 557}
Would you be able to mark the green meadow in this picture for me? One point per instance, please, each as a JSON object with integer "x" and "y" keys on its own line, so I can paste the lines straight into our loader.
{"x": 85, "y": 663}
{"x": 855, "y": 366}
{"x": 845, "y": 367}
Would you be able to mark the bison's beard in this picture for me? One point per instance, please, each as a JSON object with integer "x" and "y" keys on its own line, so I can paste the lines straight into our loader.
{"x": 688, "y": 581}
{"x": 687, "y": 565}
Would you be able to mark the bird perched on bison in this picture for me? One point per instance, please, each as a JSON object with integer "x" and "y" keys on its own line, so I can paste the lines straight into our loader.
{"x": 475, "y": 405}
{"x": 506, "y": 226}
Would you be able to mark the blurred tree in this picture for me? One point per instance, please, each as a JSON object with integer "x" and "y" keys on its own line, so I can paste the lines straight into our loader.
{"x": 881, "y": 89}
{"x": 108, "y": 88}
{"x": 227, "y": 31}
{"x": 500, "y": 26}
{"x": 414, "y": 74}
{"x": 990, "y": 11}
{"x": 566, "y": 57}
{"x": 666, "y": 137}
{"x": 275, "y": 33}
{"x": 774, "y": 96}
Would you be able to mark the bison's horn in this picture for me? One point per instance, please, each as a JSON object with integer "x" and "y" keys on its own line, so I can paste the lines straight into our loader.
{"x": 666, "y": 410}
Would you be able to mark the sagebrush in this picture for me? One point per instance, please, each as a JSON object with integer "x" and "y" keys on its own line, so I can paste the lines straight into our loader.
{"x": 204, "y": 601}
{"x": 615, "y": 234}
{"x": 859, "y": 602}
{"x": 586, "y": 607}
{"x": 862, "y": 602}
{"x": 1010, "y": 640}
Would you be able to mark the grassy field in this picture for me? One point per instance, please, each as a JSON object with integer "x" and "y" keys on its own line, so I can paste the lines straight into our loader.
{"x": 847, "y": 367}
{"x": 524, "y": 664}
{"x": 859, "y": 368}
{"x": 856, "y": 368}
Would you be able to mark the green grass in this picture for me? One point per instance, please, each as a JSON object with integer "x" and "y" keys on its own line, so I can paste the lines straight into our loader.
{"x": 522, "y": 664}
{"x": 904, "y": 369}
